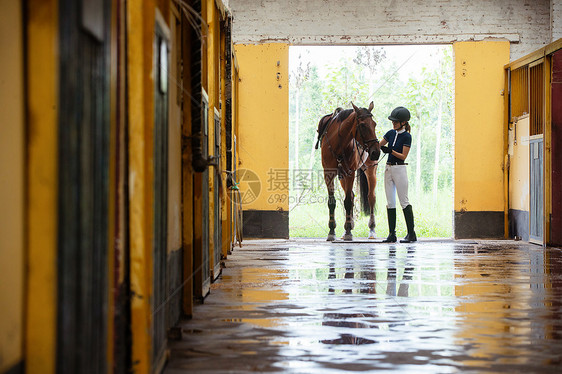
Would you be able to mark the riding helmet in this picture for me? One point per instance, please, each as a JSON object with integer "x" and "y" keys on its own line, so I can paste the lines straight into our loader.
{"x": 399, "y": 114}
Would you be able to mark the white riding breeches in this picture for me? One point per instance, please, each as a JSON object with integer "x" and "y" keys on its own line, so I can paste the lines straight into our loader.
{"x": 396, "y": 180}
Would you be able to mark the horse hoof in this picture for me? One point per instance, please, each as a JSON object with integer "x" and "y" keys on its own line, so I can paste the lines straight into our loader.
{"x": 331, "y": 238}
{"x": 372, "y": 234}
{"x": 348, "y": 237}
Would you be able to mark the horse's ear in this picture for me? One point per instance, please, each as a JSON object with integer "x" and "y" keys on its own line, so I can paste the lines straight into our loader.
{"x": 354, "y": 107}
{"x": 371, "y": 106}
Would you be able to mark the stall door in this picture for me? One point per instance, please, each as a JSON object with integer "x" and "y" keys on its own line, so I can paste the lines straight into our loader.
{"x": 206, "y": 266}
{"x": 84, "y": 128}
{"x": 217, "y": 250}
{"x": 536, "y": 214}
{"x": 160, "y": 196}
{"x": 201, "y": 253}
{"x": 537, "y": 120}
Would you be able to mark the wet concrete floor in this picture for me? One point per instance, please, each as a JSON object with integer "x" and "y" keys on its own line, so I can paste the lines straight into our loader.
{"x": 308, "y": 306}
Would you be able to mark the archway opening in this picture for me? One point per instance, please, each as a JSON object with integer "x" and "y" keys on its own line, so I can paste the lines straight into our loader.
{"x": 417, "y": 77}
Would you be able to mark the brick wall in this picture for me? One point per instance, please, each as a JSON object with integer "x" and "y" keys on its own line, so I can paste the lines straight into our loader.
{"x": 526, "y": 24}
{"x": 556, "y": 19}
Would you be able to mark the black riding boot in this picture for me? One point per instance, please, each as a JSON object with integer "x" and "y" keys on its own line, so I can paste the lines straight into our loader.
{"x": 391, "y": 214}
{"x": 409, "y": 217}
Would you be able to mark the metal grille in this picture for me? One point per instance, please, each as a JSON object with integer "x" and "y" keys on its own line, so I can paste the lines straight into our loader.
{"x": 520, "y": 91}
{"x": 536, "y": 98}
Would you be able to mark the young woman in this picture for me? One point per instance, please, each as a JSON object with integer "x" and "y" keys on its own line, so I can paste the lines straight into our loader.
{"x": 396, "y": 143}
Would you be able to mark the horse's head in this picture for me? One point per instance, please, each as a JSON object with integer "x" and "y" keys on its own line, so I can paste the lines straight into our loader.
{"x": 365, "y": 131}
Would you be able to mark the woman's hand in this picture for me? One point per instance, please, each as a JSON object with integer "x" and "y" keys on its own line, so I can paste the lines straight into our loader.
{"x": 386, "y": 149}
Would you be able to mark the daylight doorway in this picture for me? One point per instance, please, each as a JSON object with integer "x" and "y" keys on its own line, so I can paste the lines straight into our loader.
{"x": 417, "y": 77}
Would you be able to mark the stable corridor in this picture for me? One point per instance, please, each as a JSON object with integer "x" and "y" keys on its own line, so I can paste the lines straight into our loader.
{"x": 308, "y": 306}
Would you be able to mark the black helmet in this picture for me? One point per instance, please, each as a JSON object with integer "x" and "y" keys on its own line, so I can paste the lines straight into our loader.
{"x": 400, "y": 114}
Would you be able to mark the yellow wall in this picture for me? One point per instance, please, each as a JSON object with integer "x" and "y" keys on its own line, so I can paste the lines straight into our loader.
{"x": 264, "y": 120}
{"x": 140, "y": 34}
{"x": 11, "y": 185}
{"x": 213, "y": 84}
{"x": 519, "y": 167}
{"x": 42, "y": 127}
{"x": 226, "y": 206}
{"x": 479, "y": 132}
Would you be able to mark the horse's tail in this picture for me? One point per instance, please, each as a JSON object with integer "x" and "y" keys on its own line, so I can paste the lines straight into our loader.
{"x": 364, "y": 191}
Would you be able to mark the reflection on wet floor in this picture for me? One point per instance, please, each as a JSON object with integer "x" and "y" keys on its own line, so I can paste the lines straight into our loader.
{"x": 307, "y": 306}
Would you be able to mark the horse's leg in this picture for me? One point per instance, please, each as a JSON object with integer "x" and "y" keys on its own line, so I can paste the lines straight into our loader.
{"x": 329, "y": 179}
{"x": 347, "y": 184}
{"x": 371, "y": 174}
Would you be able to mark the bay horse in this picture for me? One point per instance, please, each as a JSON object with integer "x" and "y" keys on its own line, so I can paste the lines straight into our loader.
{"x": 348, "y": 143}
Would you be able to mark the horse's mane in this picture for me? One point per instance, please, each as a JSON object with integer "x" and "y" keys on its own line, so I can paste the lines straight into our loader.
{"x": 342, "y": 115}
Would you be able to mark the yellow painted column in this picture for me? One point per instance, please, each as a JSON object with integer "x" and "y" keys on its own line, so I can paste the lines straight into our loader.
{"x": 226, "y": 206}
{"x": 213, "y": 85}
{"x": 506, "y": 121}
{"x": 236, "y": 208}
{"x": 140, "y": 34}
{"x": 479, "y": 138}
{"x": 211, "y": 122}
{"x": 42, "y": 176}
{"x": 263, "y": 112}
{"x": 12, "y": 188}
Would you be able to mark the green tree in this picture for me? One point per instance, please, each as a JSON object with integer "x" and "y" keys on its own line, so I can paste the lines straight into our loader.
{"x": 297, "y": 78}
{"x": 428, "y": 96}
{"x": 370, "y": 58}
